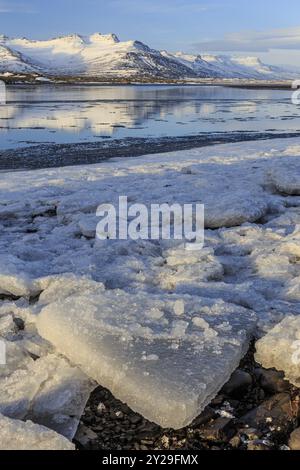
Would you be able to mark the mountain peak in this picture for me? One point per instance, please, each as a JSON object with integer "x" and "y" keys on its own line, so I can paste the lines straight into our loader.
{"x": 106, "y": 38}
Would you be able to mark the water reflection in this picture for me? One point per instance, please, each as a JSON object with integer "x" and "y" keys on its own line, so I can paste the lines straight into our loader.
{"x": 77, "y": 114}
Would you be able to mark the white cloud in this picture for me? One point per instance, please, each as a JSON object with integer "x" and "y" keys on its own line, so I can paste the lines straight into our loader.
{"x": 13, "y": 7}
{"x": 254, "y": 41}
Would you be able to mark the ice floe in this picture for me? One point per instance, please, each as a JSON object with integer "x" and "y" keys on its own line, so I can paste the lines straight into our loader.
{"x": 162, "y": 327}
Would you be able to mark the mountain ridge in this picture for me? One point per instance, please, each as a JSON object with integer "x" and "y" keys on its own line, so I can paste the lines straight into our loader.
{"x": 105, "y": 56}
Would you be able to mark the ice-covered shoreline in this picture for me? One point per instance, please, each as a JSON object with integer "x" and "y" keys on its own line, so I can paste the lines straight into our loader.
{"x": 248, "y": 272}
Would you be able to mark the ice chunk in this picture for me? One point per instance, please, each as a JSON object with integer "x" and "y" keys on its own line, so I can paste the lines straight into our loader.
{"x": 291, "y": 290}
{"x": 61, "y": 399}
{"x": 110, "y": 333}
{"x": 13, "y": 278}
{"x": 65, "y": 286}
{"x": 280, "y": 349}
{"x": 88, "y": 225}
{"x": 184, "y": 267}
{"x": 48, "y": 390}
{"x": 7, "y": 324}
{"x": 233, "y": 209}
{"x": 19, "y": 435}
{"x": 287, "y": 179}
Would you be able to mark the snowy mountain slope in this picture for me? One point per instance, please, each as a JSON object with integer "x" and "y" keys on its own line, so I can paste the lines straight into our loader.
{"x": 104, "y": 56}
{"x": 12, "y": 61}
{"x": 230, "y": 67}
{"x": 97, "y": 55}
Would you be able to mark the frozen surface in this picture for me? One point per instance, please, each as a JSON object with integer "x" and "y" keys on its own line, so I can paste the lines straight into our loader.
{"x": 166, "y": 356}
{"x": 19, "y": 435}
{"x": 280, "y": 349}
{"x": 149, "y": 312}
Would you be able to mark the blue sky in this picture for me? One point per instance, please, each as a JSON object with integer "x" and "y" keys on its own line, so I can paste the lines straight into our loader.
{"x": 267, "y": 28}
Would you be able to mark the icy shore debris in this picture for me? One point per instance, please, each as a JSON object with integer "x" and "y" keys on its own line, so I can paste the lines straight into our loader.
{"x": 177, "y": 312}
{"x": 280, "y": 349}
{"x": 20, "y": 435}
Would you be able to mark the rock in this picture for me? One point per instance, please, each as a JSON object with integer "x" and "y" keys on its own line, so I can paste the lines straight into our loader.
{"x": 165, "y": 441}
{"x": 135, "y": 419}
{"x": 219, "y": 430}
{"x": 284, "y": 447}
{"x": 20, "y": 324}
{"x": 250, "y": 434}
{"x": 238, "y": 384}
{"x": 85, "y": 435}
{"x": 279, "y": 412}
{"x": 271, "y": 381}
{"x": 235, "y": 441}
{"x": 101, "y": 408}
{"x": 294, "y": 440}
{"x": 259, "y": 445}
{"x": 218, "y": 400}
{"x": 207, "y": 415}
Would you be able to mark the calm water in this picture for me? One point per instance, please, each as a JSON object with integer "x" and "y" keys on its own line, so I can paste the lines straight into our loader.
{"x": 60, "y": 114}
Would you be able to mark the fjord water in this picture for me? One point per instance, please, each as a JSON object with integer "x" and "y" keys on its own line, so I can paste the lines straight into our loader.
{"x": 78, "y": 114}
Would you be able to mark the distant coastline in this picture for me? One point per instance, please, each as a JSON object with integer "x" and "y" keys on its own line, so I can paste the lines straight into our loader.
{"x": 22, "y": 79}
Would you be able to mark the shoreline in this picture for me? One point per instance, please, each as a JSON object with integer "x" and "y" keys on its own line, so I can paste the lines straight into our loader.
{"x": 60, "y": 155}
{"x": 94, "y": 81}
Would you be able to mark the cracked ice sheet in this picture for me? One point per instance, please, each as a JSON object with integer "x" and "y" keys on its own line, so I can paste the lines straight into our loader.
{"x": 20, "y": 435}
{"x": 51, "y": 230}
{"x": 47, "y": 217}
{"x": 166, "y": 356}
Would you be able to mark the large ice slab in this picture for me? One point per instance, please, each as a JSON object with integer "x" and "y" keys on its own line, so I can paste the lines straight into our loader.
{"x": 13, "y": 277}
{"x": 280, "y": 349}
{"x": 20, "y": 435}
{"x": 165, "y": 356}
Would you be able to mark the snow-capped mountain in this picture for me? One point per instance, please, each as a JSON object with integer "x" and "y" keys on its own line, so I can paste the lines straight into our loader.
{"x": 230, "y": 67}
{"x": 94, "y": 56}
{"x": 105, "y": 57}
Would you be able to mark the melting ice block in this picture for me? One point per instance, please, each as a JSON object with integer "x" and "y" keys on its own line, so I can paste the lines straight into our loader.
{"x": 165, "y": 356}
{"x": 19, "y": 435}
{"x": 280, "y": 349}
